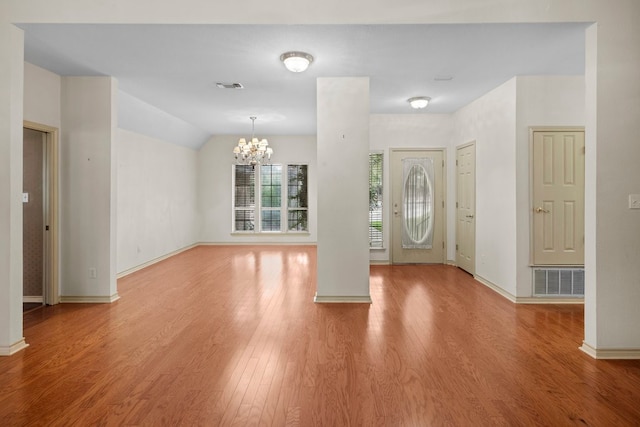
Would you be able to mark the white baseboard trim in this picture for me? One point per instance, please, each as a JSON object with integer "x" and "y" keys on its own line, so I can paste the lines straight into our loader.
{"x": 549, "y": 300}
{"x": 451, "y": 263}
{"x": 154, "y": 261}
{"x": 611, "y": 353}
{"x": 257, "y": 243}
{"x": 495, "y": 288}
{"x": 342, "y": 299}
{"x": 379, "y": 262}
{"x": 29, "y": 299}
{"x": 13, "y": 348}
{"x": 89, "y": 299}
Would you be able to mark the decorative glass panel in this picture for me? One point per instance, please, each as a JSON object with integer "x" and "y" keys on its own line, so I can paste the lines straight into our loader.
{"x": 417, "y": 203}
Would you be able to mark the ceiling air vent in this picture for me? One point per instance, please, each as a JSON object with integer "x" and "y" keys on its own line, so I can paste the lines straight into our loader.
{"x": 229, "y": 86}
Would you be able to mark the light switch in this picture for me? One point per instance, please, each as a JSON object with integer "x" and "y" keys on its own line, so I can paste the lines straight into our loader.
{"x": 634, "y": 201}
{"x": 25, "y": 197}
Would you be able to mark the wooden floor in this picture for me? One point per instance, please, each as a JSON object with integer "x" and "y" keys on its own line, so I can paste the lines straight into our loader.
{"x": 231, "y": 336}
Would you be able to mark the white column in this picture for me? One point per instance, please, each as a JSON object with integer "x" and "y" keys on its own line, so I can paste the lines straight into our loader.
{"x": 612, "y": 229}
{"x": 343, "y": 180}
{"x": 11, "y": 89}
{"x": 88, "y": 190}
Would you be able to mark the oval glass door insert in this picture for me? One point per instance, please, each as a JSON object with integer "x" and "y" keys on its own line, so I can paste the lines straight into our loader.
{"x": 417, "y": 203}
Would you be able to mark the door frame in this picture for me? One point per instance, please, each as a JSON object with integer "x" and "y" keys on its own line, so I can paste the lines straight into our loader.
{"x": 459, "y": 147}
{"x": 51, "y": 291}
{"x": 533, "y": 129}
{"x": 443, "y": 151}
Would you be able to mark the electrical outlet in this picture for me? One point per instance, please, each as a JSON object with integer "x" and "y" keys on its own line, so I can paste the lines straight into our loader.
{"x": 93, "y": 273}
{"x": 634, "y": 201}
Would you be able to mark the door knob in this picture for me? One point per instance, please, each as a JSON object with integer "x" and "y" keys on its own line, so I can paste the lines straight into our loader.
{"x": 541, "y": 210}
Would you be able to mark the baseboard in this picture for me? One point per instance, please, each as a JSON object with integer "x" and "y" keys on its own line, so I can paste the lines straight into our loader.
{"x": 451, "y": 263}
{"x": 256, "y": 243}
{"x": 549, "y": 300}
{"x": 32, "y": 299}
{"x": 154, "y": 261}
{"x": 611, "y": 353}
{"x": 89, "y": 299}
{"x": 379, "y": 262}
{"x": 13, "y": 348}
{"x": 342, "y": 299}
{"x": 495, "y": 288}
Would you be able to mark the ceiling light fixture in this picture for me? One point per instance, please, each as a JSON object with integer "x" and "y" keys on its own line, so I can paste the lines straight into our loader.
{"x": 296, "y": 62}
{"x": 419, "y": 102}
{"x": 254, "y": 151}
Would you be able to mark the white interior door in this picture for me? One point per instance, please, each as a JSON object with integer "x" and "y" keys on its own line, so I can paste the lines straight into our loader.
{"x": 417, "y": 206}
{"x": 558, "y": 198}
{"x": 466, "y": 207}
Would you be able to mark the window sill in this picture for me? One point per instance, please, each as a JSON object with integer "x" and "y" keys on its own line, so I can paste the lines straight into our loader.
{"x": 377, "y": 249}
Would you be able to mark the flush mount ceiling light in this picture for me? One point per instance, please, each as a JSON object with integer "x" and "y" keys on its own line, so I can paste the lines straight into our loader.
{"x": 419, "y": 102}
{"x": 296, "y": 62}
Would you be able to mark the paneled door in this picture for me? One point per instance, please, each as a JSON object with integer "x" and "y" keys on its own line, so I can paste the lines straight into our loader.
{"x": 417, "y": 206}
{"x": 466, "y": 207}
{"x": 558, "y": 198}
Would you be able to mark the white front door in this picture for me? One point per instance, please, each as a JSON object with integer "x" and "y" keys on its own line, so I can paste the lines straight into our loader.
{"x": 417, "y": 206}
{"x": 466, "y": 207}
{"x": 558, "y": 198}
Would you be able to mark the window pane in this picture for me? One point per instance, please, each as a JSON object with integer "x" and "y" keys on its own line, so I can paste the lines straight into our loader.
{"x": 297, "y": 200}
{"x": 271, "y": 186}
{"x": 245, "y": 186}
{"x": 297, "y": 220}
{"x": 244, "y": 220}
{"x": 375, "y": 199}
{"x": 270, "y": 220}
{"x": 297, "y": 186}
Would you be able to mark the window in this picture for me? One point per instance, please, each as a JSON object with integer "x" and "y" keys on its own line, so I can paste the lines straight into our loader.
{"x": 297, "y": 201}
{"x": 270, "y": 196}
{"x": 375, "y": 200}
{"x": 258, "y": 194}
{"x": 244, "y": 198}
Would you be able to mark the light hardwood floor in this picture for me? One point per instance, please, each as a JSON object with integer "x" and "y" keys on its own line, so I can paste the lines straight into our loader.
{"x": 231, "y": 336}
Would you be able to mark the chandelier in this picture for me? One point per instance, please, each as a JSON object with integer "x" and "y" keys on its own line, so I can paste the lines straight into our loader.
{"x": 254, "y": 151}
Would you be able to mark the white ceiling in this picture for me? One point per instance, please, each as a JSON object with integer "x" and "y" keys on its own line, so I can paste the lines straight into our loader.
{"x": 175, "y": 67}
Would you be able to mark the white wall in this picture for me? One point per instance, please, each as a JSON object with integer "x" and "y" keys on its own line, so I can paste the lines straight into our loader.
{"x": 541, "y": 101}
{"x": 215, "y": 161}
{"x": 41, "y": 96}
{"x": 88, "y": 187}
{"x": 491, "y": 122}
{"x": 409, "y": 131}
{"x": 157, "y": 198}
{"x": 11, "y": 113}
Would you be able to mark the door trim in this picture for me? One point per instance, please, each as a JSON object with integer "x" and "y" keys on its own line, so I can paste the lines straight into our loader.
{"x": 52, "y": 248}
{"x": 444, "y": 196}
{"x": 532, "y": 130}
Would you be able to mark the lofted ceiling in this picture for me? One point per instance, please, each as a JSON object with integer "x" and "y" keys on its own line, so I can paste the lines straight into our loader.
{"x": 175, "y": 68}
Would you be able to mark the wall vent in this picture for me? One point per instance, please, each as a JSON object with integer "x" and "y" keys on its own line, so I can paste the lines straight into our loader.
{"x": 561, "y": 282}
{"x": 229, "y": 85}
